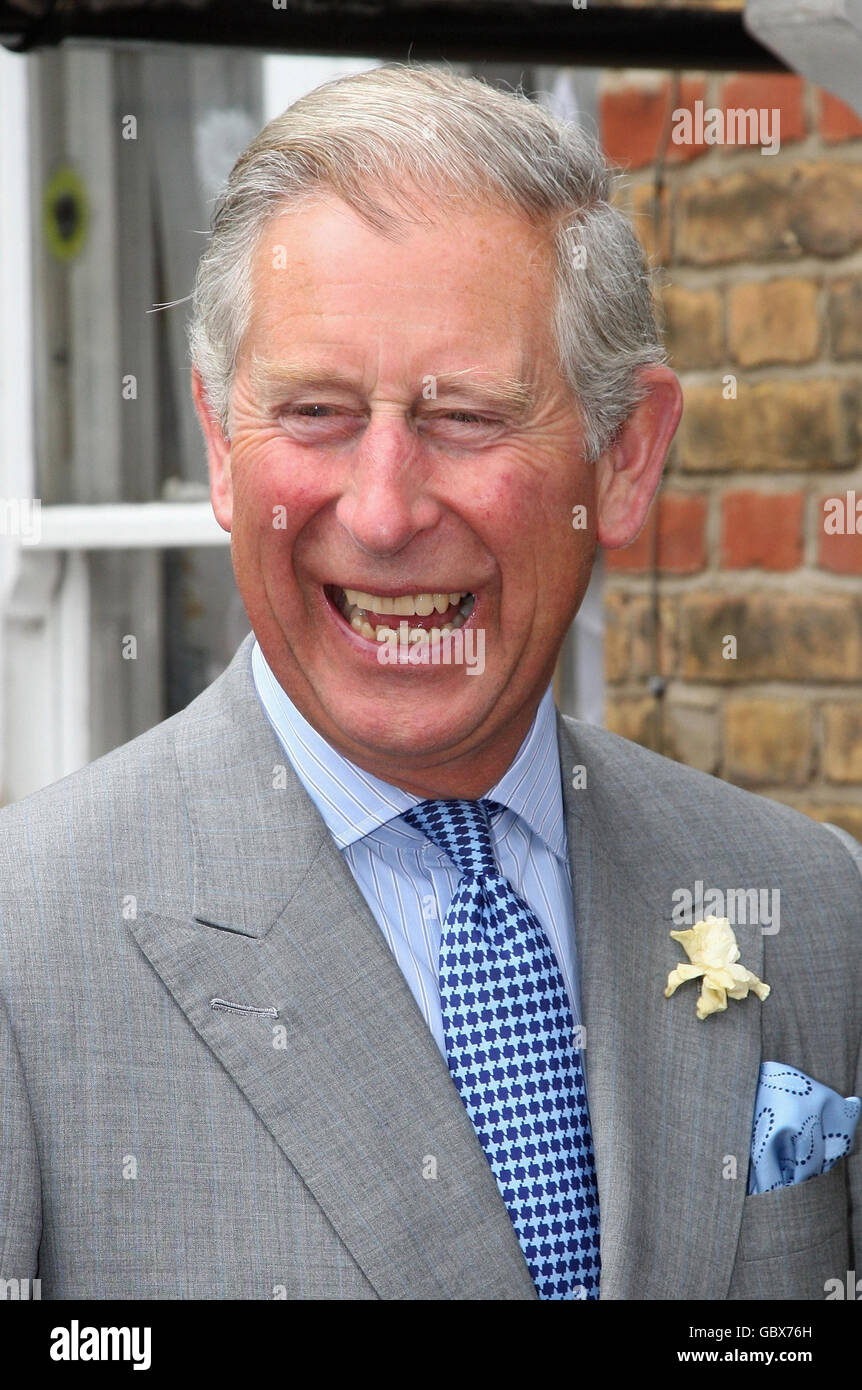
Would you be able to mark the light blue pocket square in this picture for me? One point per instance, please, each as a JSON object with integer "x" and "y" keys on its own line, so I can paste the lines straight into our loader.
{"x": 801, "y": 1128}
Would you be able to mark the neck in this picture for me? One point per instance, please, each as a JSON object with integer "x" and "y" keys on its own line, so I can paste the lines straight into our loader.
{"x": 458, "y": 774}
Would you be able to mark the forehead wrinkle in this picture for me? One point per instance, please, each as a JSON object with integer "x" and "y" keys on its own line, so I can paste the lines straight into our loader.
{"x": 374, "y": 315}
{"x": 310, "y": 276}
{"x": 432, "y": 290}
{"x": 509, "y": 391}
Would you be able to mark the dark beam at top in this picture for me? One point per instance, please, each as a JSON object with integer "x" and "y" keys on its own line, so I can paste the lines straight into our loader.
{"x": 551, "y": 32}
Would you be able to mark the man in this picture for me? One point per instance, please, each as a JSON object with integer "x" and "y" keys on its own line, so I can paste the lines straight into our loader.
{"x": 349, "y": 980}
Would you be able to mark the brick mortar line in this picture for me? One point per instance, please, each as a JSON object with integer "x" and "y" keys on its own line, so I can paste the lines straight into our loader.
{"x": 848, "y": 369}
{"x": 705, "y": 693}
{"x": 718, "y": 277}
{"x": 811, "y": 106}
{"x": 624, "y": 79}
{"x": 729, "y": 159}
{"x": 680, "y": 689}
{"x": 712, "y": 475}
{"x": 717, "y": 163}
{"x": 767, "y": 689}
{"x": 843, "y": 479}
{"x": 806, "y": 794}
{"x": 738, "y": 582}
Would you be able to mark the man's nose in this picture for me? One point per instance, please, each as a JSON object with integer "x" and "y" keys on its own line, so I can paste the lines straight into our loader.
{"x": 386, "y": 499}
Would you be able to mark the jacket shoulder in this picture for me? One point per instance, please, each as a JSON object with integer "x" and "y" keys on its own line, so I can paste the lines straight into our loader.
{"x": 634, "y": 787}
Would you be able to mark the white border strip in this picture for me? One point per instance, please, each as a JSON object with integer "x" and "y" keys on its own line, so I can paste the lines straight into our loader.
{"x": 17, "y": 462}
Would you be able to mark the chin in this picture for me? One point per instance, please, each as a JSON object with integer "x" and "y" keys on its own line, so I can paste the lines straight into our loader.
{"x": 411, "y": 725}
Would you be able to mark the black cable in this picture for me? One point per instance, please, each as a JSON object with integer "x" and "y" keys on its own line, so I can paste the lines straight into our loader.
{"x": 32, "y": 36}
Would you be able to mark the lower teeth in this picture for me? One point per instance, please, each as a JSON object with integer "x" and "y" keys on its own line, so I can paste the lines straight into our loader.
{"x": 360, "y": 624}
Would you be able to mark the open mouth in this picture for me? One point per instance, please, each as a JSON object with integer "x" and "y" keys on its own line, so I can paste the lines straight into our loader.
{"x": 377, "y": 617}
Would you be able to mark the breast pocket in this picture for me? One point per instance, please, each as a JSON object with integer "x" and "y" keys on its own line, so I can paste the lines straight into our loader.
{"x": 793, "y": 1239}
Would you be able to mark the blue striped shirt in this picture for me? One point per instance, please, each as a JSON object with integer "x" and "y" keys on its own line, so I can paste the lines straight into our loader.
{"x": 407, "y": 882}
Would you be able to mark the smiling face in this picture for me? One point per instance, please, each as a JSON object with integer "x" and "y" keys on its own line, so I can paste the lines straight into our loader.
{"x": 402, "y": 441}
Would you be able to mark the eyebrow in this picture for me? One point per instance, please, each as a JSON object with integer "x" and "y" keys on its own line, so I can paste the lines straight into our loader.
{"x": 269, "y": 379}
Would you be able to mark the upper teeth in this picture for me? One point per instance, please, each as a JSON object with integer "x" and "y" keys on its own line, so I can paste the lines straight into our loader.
{"x": 406, "y": 605}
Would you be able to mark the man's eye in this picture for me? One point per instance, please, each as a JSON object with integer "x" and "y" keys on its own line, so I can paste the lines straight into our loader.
{"x": 462, "y": 417}
{"x": 340, "y": 423}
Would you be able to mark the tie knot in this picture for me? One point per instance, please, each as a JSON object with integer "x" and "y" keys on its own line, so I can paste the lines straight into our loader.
{"x": 461, "y": 829}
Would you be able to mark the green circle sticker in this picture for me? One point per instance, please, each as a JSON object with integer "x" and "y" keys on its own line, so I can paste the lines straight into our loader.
{"x": 65, "y": 213}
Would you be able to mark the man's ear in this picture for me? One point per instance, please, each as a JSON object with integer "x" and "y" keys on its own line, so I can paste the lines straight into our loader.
{"x": 218, "y": 455}
{"x": 629, "y": 472}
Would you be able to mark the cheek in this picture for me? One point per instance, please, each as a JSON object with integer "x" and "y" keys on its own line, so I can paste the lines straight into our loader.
{"x": 274, "y": 491}
{"x": 506, "y": 502}
{"x": 527, "y": 510}
{"x": 530, "y": 528}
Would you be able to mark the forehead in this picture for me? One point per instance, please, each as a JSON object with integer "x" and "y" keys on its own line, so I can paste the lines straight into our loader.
{"x": 474, "y": 273}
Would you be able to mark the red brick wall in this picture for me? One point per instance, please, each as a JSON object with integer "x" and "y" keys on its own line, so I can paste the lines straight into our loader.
{"x": 761, "y": 282}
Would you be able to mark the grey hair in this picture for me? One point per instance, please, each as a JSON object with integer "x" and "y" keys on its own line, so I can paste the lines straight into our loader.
{"x": 400, "y": 128}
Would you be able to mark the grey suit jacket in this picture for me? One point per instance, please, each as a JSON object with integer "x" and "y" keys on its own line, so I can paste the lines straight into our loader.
{"x": 155, "y": 1146}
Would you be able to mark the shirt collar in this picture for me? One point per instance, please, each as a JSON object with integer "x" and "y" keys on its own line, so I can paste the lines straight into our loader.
{"x": 354, "y": 803}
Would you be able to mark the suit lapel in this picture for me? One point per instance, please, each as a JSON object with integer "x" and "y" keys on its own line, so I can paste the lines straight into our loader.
{"x": 347, "y": 1077}
{"x": 671, "y": 1097}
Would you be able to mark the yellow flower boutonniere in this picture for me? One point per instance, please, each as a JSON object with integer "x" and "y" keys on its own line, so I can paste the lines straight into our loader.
{"x": 712, "y": 950}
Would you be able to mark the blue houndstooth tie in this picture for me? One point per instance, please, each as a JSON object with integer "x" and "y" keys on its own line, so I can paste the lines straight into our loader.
{"x": 511, "y": 1050}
